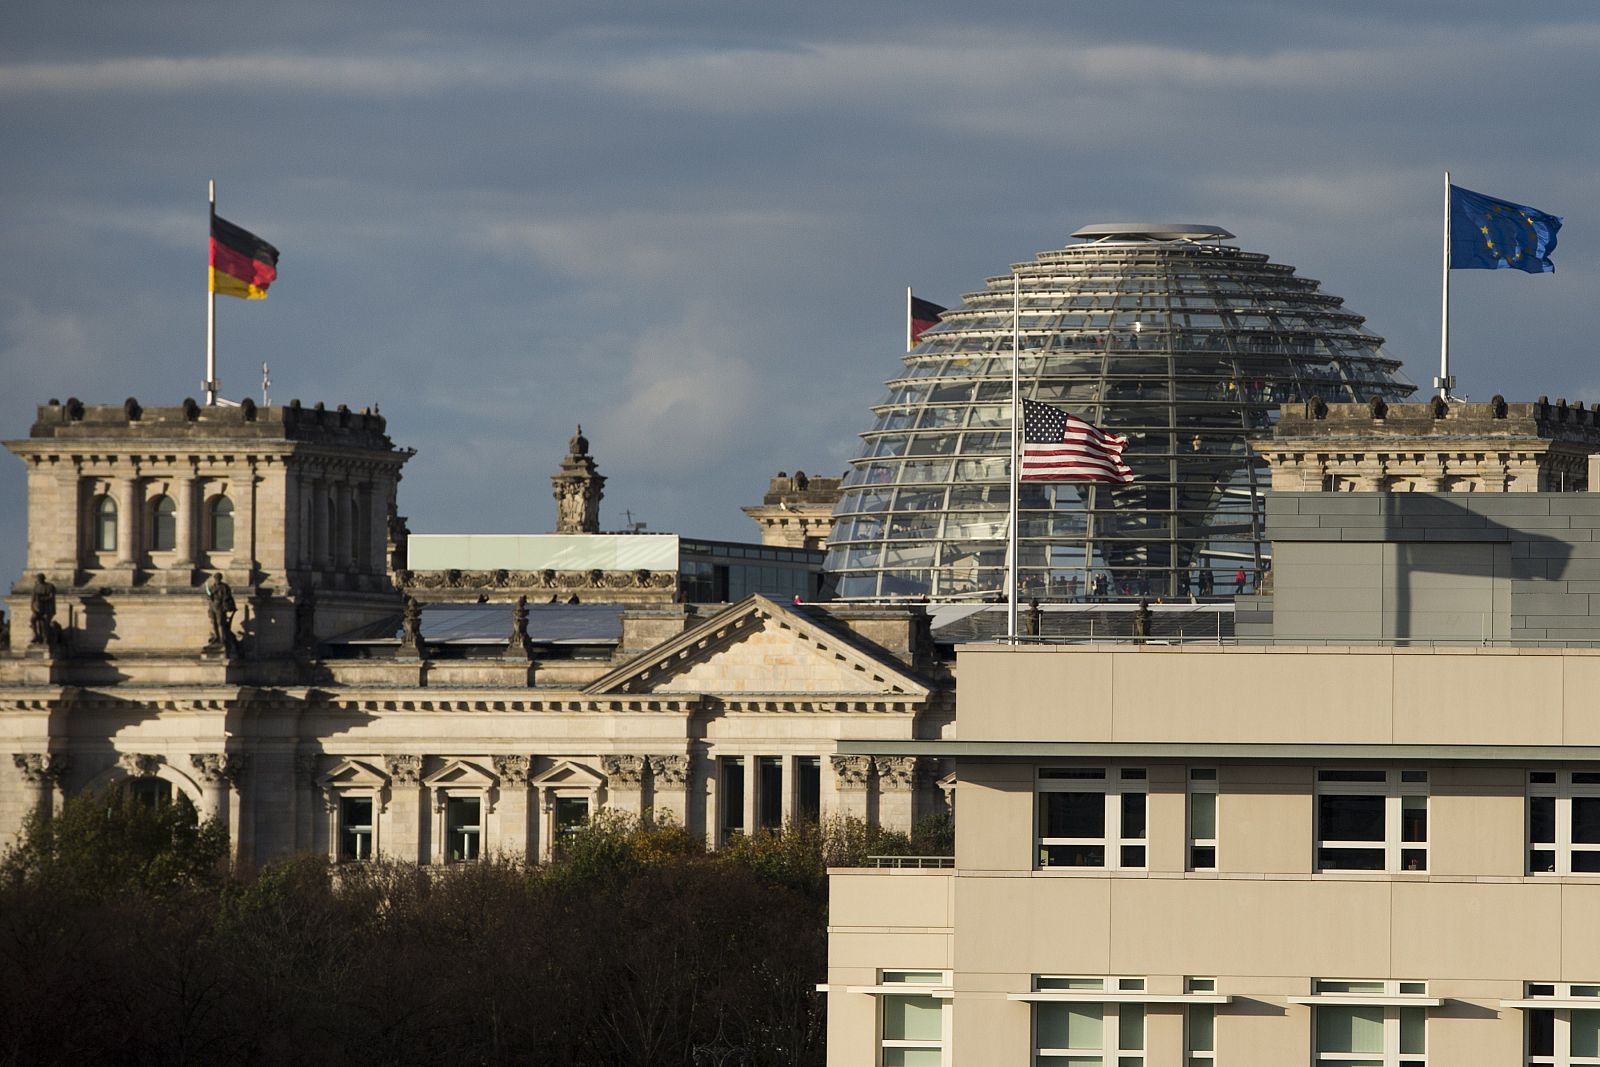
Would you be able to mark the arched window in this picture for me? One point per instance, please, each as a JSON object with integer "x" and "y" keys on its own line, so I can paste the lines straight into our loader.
{"x": 163, "y": 524}
{"x": 105, "y": 524}
{"x": 151, "y": 792}
{"x": 221, "y": 524}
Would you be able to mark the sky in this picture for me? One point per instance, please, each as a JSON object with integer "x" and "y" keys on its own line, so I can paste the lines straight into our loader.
{"x": 689, "y": 226}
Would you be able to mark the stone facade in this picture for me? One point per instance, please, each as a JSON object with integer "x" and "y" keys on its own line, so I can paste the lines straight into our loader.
{"x": 578, "y": 488}
{"x": 797, "y": 511}
{"x": 333, "y": 724}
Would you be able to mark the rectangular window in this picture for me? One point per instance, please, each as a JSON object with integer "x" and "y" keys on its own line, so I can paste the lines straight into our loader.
{"x": 1200, "y": 1026}
{"x": 1370, "y": 1035}
{"x": 1088, "y": 1033}
{"x": 463, "y": 828}
{"x": 1563, "y": 822}
{"x": 570, "y": 815}
{"x": 1202, "y": 819}
{"x": 1372, "y": 820}
{"x": 355, "y": 828}
{"x": 913, "y": 1026}
{"x": 1092, "y": 817}
{"x": 732, "y": 799}
{"x": 1562, "y": 1037}
{"x": 769, "y": 801}
{"x": 808, "y": 771}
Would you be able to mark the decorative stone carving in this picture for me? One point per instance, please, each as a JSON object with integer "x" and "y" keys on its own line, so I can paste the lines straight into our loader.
{"x": 578, "y": 489}
{"x": 411, "y": 643}
{"x": 669, "y": 771}
{"x": 404, "y": 770}
{"x": 219, "y": 610}
{"x": 305, "y": 617}
{"x": 139, "y": 764}
{"x": 213, "y": 768}
{"x": 536, "y": 580}
{"x": 520, "y": 646}
{"x": 851, "y": 771}
{"x": 513, "y": 770}
{"x": 42, "y": 612}
{"x": 624, "y": 770}
{"x": 40, "y": 768}
{"x": 896, "y": 774}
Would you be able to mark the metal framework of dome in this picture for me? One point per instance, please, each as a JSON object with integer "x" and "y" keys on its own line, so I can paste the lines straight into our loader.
{"x": 1160, "y": 332}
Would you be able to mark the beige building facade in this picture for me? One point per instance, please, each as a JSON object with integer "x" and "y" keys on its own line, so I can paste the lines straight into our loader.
{"x": 1327, "y": 845}
{"x": 324, "y": 716}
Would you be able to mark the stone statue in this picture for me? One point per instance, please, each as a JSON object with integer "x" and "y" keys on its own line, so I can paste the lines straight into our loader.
{"x": 42, "y": 611}
{"x": 1035, "y": 618}
{"x": 411, "y": 623}
{"x": 1141, "y": 620}
{"x": 220, "y": 609}
{"x": 519, "y": 645}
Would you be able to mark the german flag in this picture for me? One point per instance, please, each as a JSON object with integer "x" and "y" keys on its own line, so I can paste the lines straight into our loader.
{"x": 242, "y": 264}
{"x": 921, "y": 316}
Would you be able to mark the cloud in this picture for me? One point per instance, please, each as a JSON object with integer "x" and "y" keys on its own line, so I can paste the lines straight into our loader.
{"x": 384, "y": 75}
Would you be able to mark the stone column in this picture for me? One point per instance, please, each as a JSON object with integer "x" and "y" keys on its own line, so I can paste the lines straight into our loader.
{"x": 850, "y": 785}
{"x": 624, "y": 783}
{"x": 129, "y": 524}
{"x": 41, "y": 775}
{"x": 343, "y": 532}
{"x": 304, "y": 805}
{"x": 242, "y": 491}
{"x": 367, "y": 549}
{"x": 897, "y": 777}
{"x": 217, "y": 771}
{"x": 321, "y": 550}
{"x": 402, "y": 836}
{"x": 512, "y": 810}
{"x": 669, "y": 780}
{"x": 183, "y": 563}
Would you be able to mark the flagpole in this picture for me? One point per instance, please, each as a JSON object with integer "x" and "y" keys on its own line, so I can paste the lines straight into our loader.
{"x": 1444, "y": 382}
{"x": 1016, "y": 404}
{"x": 211, "y": 304}
{"x": 908, "y": 318}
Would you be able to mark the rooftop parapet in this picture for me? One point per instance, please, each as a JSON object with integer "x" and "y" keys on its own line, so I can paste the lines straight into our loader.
{"x": 1493, "y": 447}
{"x": 129, "y": 420}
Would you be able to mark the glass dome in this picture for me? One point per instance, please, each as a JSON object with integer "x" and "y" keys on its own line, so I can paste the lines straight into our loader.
{"x": 1165, "y": 334}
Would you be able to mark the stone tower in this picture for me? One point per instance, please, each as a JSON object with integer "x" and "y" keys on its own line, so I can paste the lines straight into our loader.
{"x": 578, "y": 489}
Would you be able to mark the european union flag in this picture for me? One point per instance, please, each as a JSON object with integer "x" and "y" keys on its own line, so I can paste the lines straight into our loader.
{"x": 1494, "y": 234}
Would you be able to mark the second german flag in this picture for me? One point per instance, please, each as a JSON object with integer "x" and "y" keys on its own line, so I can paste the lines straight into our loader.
{"x": 242, "y": 264}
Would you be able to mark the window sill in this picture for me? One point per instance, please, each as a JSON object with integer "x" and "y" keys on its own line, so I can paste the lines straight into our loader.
{"x": 1362, "y": 1000}
{"x": 1098, "y": 996}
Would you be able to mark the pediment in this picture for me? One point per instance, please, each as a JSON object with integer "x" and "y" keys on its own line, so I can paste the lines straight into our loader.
{"x": 759, "y": 646}
{"x": 570, "y": 775}
{"x": 353, "y": 774}
{"x": 462, "y": 774}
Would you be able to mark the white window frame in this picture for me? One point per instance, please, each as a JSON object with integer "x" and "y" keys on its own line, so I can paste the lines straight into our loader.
{"x": 1398, "y": 784}
{"x": 1202, "y": 782}
{"x": 448, "y": 849}
{"x": 1114, "y": 783}
{"x": 371, "y": 828}
{"x": 1560, "y": 787}
{"x": 1116, "y": 991}
{"x": 912, "y": 982}
{"x": 1199, "y": 1057}
{"x": 1561, "y": 999}
{"x": 1393, "y": 996}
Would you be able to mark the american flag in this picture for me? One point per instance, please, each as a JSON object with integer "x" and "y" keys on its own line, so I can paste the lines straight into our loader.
{"x": 1058, "y": 447}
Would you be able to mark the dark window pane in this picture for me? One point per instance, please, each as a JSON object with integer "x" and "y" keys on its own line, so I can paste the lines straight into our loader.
{"x": 1072, "y": 814}
{"x": 1350, "y": 776}
{"x": 1203, "y": 857}
{"x": 1542, "y": 819}
{"x": 808, "y": 771}
{"x": 732, "y": 799}
{"x": 769, "y": 802}
{"x": 1072, "y": 856}
{"x": 1541, "y": 861}
{"x": 1541, "y": 1032}
{"x": 1350, "y": 859}
{"x": 1586, "y": 820}
{"x": 1586, "y": 862}
{"x": 1133, "y": 855}
{"x": 1585, "y": 778}
{"x": 1352, "y": 818}
{"x": 1133, "y": 815}
{"x": 1414, "y": 819}
{"x": 1413, "y": 859}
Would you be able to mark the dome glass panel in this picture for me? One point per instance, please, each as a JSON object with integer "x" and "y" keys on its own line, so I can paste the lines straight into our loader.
{"x": 1183, "y": 343}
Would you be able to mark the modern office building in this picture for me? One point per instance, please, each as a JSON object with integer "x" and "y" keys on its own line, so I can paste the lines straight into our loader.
{"x": 1167, "y": 334}
{"x": 325, "y": 712}
{"x": 1367, "y": 831}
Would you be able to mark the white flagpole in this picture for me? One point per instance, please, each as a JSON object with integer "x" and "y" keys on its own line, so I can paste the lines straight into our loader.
{"x": 908, "y": 318}
{"x": 1444, "y": 383}
{"x": 1016, "y": 455}
{"x": 211, "y": 305}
